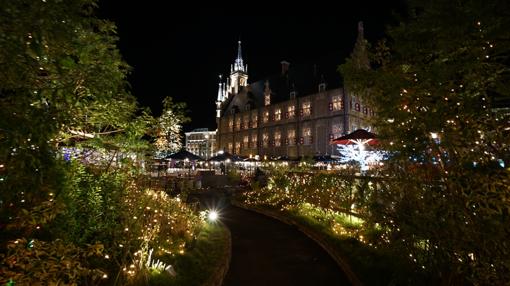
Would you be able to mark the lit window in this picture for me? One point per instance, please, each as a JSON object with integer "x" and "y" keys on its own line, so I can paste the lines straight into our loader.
{"x": 291, "y": 137}
{"x": 246, "y": 121}
{"x": 254, "y": 140}
{"x": 336, "y": 130}
{"x": 265, "y": 139}
{"x": 277, "y": 138}
{"x": 307, "y": 135}
{"x": 291, "y": 111}
{"x": 337, "y": 103}
{"x": 266, "y": 116}
{"x": 238, "y": 148}
{"x": 238, "y": 123}
{"x": 254, "y": 120}
{"x": 306, "y": 109}
{"x": 278, "y": 114}
{"x": 246, "y": 140}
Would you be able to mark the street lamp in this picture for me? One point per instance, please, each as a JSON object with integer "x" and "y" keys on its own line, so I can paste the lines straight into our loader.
{"x": 212, "y": 215}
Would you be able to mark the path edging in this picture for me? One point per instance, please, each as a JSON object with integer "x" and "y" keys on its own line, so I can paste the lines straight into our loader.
{"x": 353, "y": 278}
{"x": 216, "y": 278}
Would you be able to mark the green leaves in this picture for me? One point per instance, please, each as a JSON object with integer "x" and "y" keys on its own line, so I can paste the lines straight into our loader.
{"x": 443, "y": 75}
{"x": 55, "y": 263}
{"x": 63, "y": 82}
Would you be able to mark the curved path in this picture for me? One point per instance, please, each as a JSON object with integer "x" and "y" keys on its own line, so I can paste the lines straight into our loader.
{"x": 267, "y": 252}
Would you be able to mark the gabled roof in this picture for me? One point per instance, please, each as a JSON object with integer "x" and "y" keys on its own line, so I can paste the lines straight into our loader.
{"x": 303, "y": 79}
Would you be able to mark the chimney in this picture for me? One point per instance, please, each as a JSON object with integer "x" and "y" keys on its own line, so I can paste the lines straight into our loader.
{"x": 285, "y": 67}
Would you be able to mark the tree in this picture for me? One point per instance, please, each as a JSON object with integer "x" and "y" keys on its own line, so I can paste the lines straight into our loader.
{"x": 63, "y": 84}
{"x": 356, "y": 153}
{"x": 439, "y": 86}
{"x": 62, "y": 81}
{"x": 169, "y": 128}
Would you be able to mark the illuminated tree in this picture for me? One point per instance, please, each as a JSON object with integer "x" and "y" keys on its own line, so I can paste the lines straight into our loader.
{"x": 357, "y": 153}
{"x": 169, "y": 127}
{"x": 62, "y": 78}
{"x": 440, "y": 87}
{"x": 63, "y": 84}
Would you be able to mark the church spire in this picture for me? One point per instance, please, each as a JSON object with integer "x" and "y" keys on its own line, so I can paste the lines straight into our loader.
{"x": 238, "y": 64}
{"x": 238, "y": 73}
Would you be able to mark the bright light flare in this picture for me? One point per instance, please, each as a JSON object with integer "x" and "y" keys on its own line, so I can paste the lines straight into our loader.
{"x": 212, "y": 216}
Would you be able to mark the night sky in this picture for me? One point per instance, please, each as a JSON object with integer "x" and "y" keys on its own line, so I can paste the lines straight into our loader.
{"x": 179, "y": 51}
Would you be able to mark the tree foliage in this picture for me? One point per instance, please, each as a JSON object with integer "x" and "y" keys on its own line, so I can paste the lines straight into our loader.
{"x": 169, "y": 126}
{"x": 63, "y": 83}
{"x": 439, "y": 85}
{"x": 62, "y": 78}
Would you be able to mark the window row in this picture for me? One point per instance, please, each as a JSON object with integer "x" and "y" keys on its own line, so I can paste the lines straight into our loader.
{"x": 251, "y": 121}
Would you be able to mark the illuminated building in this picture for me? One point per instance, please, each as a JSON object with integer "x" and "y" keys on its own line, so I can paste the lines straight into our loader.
{"x": 295, "y": 113}
{"x": 201, "y": 142}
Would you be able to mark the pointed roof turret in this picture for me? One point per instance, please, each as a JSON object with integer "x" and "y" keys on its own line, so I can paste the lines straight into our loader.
{"x": 238, "y": 64}
{"x": 220, "y": 90}
{"x": 359, "y": 54}
{"x": 239, "y": 54}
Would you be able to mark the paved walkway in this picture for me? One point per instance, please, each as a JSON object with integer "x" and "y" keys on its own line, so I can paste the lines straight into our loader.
{"x": 267, "y": 252}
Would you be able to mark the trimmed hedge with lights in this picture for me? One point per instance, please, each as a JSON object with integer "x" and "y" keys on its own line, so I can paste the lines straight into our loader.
{"x": 206, "y": 263}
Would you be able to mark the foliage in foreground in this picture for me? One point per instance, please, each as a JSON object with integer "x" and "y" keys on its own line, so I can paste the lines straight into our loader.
{"x": 199, "y": 262}
{"x": 439, "y": 85}
{"x": 327, "y": 202}
{"x": 83, "y": 218}
{"x": 337, "y": 206}
{"x": 99, "y": 227}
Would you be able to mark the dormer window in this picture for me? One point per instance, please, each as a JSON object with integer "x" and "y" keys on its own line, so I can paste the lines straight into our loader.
{"x": 247, "y": 107}
{"x": 267, "y": 99}
{"x": 322, "y": 87}
{"x": 293, "y": 94}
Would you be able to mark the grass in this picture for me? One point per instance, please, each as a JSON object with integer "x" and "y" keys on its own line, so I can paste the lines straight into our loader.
{"x": 198, "y": 264}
